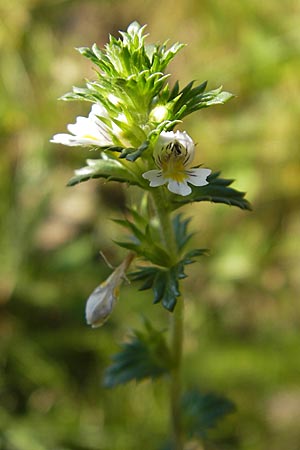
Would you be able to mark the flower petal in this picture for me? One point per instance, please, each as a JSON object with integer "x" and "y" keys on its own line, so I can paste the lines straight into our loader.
{"x": 86, "y": 127}
{"x": 155, "y": 177}
{"x": 181, "y": 188}
{"x": 197, "y": 177}
{"x": 98, "y": 110}
{"x": 65, "y": 139}
{"x": 87, "y": 131}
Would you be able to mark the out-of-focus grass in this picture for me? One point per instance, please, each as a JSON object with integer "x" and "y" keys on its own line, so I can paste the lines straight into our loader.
{"x": 242, "y": 312}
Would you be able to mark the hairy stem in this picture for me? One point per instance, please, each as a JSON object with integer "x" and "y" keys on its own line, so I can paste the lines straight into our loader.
{"x": 176, "y": 341}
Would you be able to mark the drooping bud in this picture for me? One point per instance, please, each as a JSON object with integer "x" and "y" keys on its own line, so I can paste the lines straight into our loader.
{"x": 102, "y": 300}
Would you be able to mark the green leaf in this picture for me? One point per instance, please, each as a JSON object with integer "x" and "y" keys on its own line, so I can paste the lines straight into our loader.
{"x": 145, "y": 355}
{"x": 203, "y": 411}
{"x": 143, "y": 241}
{"x": 132, "y": 154}
{"x": 164, "y": 283}
{"x": 191, "y": 99}
{"x": 188, "y": 257}
{"x": 108, "y": 168}
{"x": 180, "y": 226}
{"x": 217, "y": 191}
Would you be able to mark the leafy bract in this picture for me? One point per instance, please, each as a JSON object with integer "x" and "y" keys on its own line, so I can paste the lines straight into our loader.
{"x": 164, "y": 281}
{"x": 144, "y": 240}
{"x": 145, "y": 355}
{"x": 203, "y": 411}
{"x": 217, "y": 191}
{"x": 106, "y": 167}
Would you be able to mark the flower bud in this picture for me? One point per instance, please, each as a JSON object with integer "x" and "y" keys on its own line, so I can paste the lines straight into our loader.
{"x": 102, "y": 300}
{"x": 159, "y": 113}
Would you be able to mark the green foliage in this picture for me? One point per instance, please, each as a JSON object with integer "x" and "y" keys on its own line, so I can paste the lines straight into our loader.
{"x": 129, "y": 58}
{"x": 180, "y": 226}
{"x": 107, "y": 167}
{"x": 217, "y": 191}
{"x": 145, "y": 355}
{"x": 190, "y": 99}
{"x": 144, "y": 240}
{"x": 203, "y": 411}
{"x": 164, "y": 281}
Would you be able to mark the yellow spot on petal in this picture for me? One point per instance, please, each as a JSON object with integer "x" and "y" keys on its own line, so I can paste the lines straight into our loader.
{"x": 174, "y": 169}
{"x": 89, "y": 136}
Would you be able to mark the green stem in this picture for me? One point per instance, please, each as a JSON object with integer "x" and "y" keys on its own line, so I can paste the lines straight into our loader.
{"x": 167, "y": 232}
{"x": 176, "y": 342}
{"x": 176, "y": 383}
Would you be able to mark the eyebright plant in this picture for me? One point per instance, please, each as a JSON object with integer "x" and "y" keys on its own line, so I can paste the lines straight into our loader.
{"x": 131, "y": 128}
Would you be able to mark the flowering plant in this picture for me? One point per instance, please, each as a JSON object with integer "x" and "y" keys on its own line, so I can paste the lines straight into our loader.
{"x": 131, "y": 126}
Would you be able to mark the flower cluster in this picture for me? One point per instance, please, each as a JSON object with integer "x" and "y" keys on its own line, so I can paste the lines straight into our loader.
{"x": 173, "y": 152}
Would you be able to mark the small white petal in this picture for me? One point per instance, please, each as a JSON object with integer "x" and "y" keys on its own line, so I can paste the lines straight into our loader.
{"x": 197, "y": 177}
{"x": 179, "y": 188}
{"x": 86, "y": 127}
{"x": 98, "y": 110}
{"x": 155, "y": 177}
{"x": 65, "y": 139}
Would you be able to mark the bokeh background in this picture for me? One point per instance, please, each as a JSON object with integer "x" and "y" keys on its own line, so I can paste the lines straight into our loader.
{"x": 242, "y": 308}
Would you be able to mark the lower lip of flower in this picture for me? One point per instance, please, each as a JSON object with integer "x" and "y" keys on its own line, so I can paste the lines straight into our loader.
{"x": 175, "y": 170}
{"x": 89, "y": 136}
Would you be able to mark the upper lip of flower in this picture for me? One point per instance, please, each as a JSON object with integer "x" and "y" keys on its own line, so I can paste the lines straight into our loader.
{"x": 173, "y": 154}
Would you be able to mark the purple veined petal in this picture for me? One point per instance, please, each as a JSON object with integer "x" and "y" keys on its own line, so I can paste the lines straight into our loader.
{"x": 179, "y": 188}
{"x": 167, "y": 143}
{"x": 198, "y": 177}
{"x": 155, "y": 177}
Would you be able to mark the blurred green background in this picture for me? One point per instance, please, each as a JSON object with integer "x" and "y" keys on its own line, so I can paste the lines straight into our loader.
{"x": 242, "y": 307}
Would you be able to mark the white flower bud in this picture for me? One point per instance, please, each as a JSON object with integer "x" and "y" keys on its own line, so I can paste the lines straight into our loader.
{"x": 102, "y": 300}
{"x": 159, "y": 113}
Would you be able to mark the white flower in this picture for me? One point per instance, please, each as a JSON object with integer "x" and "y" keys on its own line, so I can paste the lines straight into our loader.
{"x": 102, "y": 300}
{"x": 87, "y": 130}
{"x": 173, "y": 154}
